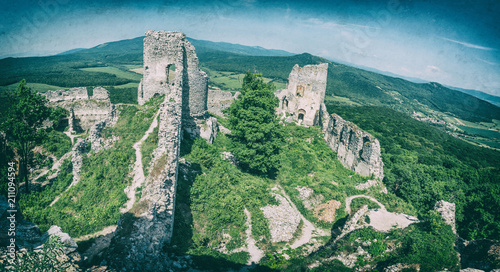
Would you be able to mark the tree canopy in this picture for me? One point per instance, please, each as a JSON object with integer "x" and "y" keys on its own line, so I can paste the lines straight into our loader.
{"x": 22, "y": 122}
{"x": 254, "y": 127}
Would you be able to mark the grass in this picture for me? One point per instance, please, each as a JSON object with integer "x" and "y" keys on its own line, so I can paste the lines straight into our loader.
{"x": 40, "y": 87}
{"x": 340, "y": 100}
{"x": 232, "y": 81}
{"x": 115, "y": 71}
{"x": 128, "y": 85}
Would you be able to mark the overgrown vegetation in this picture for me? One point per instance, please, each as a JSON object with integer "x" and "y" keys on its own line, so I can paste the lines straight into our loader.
{"x": 95, "y": 201}
{"x": 213, "y": 204}
{"x": 423, "y": 164}
{"x": 254, "y": 127}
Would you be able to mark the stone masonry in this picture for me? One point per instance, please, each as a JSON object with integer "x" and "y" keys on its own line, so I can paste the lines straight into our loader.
{"x": 147, "y": 228}
{"x": 84, "y": 110}
{"x": 356, "y": 149}
{"x": 303, "y": 98}
{"x": 302, "y": 102}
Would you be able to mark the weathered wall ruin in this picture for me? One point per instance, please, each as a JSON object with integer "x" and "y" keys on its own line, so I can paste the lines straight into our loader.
{"x": 142, "y": 233}
{"x": 167, "y": 55}
{"x": 356, "y": 149}
{"x": 302, "y": 102}
{"x": 305, "y": 93}
{"x": 84, "y": 110}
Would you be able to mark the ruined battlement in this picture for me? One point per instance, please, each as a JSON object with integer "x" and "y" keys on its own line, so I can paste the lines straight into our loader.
{"x": 356, "y": 149}
{"x": 170, "y": 62}
{"x": 74, "y": 94}
{"x": 305, "y": 93}
{"x": 84, "y": 110}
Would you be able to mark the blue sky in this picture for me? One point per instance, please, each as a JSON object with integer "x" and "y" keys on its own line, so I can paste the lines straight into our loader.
{"x": 455, "y": 43}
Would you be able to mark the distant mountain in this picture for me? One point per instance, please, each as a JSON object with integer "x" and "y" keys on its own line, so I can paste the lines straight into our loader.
{"x": 357, "y": 85}
{"x": 495, "y": 100}
{"x": 71, "y": 51}
{"x": 202, "y": 45}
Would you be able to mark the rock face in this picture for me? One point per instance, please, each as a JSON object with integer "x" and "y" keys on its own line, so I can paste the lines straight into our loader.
{"x": 303, "y": 98}
{"x": 447, "y": 211}
{"x": 356, "y": 149}
{"x": 84, "y": 110}
{"x": 283, "y": 219}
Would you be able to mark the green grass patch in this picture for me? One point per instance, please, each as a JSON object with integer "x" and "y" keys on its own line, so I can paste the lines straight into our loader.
{"x": 114, "y": 71}
{"x": 57, "y": 143}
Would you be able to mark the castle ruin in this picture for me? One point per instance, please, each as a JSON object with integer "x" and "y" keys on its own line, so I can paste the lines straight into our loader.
{"x": 303, "y": 98}
{"x": 170, "y": 69}
{"x": 85, "y": 110}
{"x": 302, "y": 102}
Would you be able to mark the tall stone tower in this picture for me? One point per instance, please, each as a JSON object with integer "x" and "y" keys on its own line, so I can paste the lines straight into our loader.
{"x": 305, "y": 93}
{"x": 171, "y": 67}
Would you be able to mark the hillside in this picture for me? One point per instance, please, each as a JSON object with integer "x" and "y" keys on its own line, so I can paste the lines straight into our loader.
{"x": 114, "y": 184}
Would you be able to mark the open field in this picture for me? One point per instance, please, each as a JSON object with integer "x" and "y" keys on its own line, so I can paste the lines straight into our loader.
{"x": 114, "y": 71}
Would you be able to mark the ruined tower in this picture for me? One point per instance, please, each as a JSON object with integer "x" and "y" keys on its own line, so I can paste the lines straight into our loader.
{"x": 171, "y": 68}
{"x": 305, "y": 93}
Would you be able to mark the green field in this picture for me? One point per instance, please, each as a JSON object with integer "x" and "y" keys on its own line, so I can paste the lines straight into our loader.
{"x": 128, "y": 85}
{"x": 492, "y": 134}
{"x": 40, "y": 87}
{"x": 232, "y": 81}
{"x": 332, "y": 99}
{"x": 114, "y": 71}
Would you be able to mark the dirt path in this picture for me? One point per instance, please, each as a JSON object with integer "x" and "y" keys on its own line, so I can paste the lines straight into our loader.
{"x": 255, "y": 253}
{"x": 308, "y": 229}
{"x": 107, "y": 230}
{"x": 349, "y": 200}
{"x": 138, "y": 172}
{"x": 55, "y": 166}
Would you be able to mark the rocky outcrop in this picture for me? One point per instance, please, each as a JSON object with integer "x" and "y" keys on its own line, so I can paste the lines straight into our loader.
{"x": 482, "y": 255}
{"x": 283, "y": 219}
{"x": 209, "y": 129}
{"x": 356, "y": 149}
{"x": 28, "y": 237}
{"x": 447, "y": 211}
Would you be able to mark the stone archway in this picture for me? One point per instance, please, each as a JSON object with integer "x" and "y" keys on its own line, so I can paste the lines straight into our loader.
{"x": 301, "y": 115}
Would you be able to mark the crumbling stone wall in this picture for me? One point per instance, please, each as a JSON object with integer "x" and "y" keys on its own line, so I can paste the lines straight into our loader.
{"x": 84, "y": 110}
{"x": 356, "y": 149}
{"x": 303, "y": 98}
{"x": 143, "y": 232}
{"x": 164, "y": 51}
{"x": 302, "y": 101}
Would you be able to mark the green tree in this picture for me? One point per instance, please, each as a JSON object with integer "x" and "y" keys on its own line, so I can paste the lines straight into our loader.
{"x": 255, "y": 129}
{"x": 22, "y": 123}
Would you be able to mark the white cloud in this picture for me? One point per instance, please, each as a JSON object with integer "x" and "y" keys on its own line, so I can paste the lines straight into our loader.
{"x": 470, "y": 45}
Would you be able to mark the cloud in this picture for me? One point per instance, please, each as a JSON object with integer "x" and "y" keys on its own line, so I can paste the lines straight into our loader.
{"x": 488, "y": 62}
{"x": 315, "y": 22}
{"x": 470, "y": 45}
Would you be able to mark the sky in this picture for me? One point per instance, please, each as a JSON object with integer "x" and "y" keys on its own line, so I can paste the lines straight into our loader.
{"x": 453, "y": 42}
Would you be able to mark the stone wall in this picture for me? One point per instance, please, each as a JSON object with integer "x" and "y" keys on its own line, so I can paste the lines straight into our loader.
{"x": 305, "y": 93}
{"x": 84, "y": 110}
{"x": 143, "y": 232}
{"x": 356, "y": 149}
{"x": 168, "y": 55}
{"x": 219, "y": 100}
